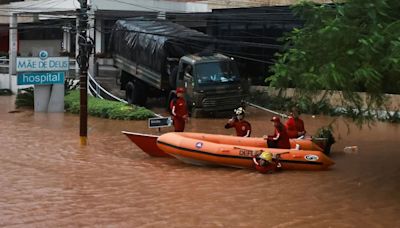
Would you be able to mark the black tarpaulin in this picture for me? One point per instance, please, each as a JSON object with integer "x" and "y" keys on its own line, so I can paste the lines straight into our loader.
{"x": 151, "y": 42}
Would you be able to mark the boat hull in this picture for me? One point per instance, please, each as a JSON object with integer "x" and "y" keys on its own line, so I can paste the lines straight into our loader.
{"x": 148, "y": 143}
{"x": 211, "y": 149}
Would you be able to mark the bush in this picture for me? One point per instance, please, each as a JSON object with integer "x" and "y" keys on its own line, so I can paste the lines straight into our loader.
{"x": 5, "y": 92}
{"x": 106, "y": 109}
{"x": 25, "y": 98}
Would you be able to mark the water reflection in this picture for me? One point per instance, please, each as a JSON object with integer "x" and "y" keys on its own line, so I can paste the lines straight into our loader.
{"x": 48, "y": 180}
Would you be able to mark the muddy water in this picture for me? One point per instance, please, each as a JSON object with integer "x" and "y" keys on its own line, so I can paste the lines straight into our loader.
{"x": 48, "y": 180}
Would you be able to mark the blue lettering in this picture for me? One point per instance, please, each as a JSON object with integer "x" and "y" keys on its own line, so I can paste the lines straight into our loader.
{"x": 21, "y": 64}
{"x": 42, "y": 64}
{"x": 31, "y": 65}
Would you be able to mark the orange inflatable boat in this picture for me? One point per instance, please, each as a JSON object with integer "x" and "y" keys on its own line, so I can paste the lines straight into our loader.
{"x": 148, "y": 143}
{"x": 210, "y": 149}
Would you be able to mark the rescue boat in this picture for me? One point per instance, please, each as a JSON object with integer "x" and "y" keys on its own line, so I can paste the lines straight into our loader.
{"x": 232, "y": 151}
{"x": 148, "y": 143}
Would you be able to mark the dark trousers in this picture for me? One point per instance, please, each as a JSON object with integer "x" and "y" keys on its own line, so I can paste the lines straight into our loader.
{"x": 179, "y": 124}
{"x": 272, "y": 144}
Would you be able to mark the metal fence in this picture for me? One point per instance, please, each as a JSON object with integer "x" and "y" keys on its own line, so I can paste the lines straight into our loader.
{"x": 4, "y": 62}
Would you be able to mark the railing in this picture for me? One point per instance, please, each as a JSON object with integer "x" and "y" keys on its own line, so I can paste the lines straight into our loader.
{"x": 4, "y": 62}
{"x": 97, "y": 90}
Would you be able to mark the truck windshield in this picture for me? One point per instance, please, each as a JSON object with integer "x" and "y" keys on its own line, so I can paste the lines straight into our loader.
{"x": 216, "y": 72}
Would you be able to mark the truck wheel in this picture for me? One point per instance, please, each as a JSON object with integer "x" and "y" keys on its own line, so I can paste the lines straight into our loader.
{"x": 136, "y": 93}
{"x": 129, "y": 87}
{"x": 140, "y": 93}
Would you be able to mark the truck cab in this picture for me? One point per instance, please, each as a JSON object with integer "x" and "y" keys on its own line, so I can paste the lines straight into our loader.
{"x": 212, "y": 83}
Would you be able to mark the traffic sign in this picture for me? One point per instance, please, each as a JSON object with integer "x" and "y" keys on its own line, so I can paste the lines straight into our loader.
{"x": 160, "y": 122}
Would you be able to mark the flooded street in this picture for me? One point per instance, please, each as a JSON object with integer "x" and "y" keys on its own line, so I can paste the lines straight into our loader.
{"x": 48, "y": 180}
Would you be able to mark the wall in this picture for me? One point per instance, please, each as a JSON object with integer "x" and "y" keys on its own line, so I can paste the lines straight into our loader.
{"x": 5, "y": 82}
{"x": 53, "y": 47}
{"x": 217, "y": 4}
{"x": 335, "y": 99}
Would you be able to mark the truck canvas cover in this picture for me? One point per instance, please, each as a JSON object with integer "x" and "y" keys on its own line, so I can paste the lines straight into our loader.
{"x": 151, "y": 42}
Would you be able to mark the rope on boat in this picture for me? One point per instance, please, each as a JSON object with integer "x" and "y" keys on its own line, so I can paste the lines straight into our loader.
{"x": 268, "y": 110}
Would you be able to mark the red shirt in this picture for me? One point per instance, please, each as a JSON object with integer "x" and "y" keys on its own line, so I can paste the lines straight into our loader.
{"x": 294, "y": 126}
{"x": 283, "y": 140}
{"x": 241, "y": 127}
{"x": 180, "y": 107}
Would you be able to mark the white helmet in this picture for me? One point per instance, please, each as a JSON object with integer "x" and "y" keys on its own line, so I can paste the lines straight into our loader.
{"x": 239, "y": 111}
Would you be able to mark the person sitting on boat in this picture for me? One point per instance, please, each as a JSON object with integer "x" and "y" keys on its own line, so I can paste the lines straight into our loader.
{"x": 295, "y": 125}
{"x": 242, "y": 127}
{"x": 280, "y": 138}
{"x": 179, "y": 110}
{"x": 264, "y": 162}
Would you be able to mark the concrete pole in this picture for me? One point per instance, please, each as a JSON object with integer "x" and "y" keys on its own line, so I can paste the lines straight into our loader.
{"x": 98, "y": 37}
{"x": 77, "y": 46}
{"x": 13, "y": 48}
{"x": 65, "y": 40}
{"x": 69, "y": 40}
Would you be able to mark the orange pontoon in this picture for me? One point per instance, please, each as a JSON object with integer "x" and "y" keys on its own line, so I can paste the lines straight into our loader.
{"x": 210, "y": 149}
{"x": 148, "y": 143}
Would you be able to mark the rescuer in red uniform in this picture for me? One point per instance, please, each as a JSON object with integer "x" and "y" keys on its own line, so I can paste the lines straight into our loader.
{"x": 295, "y": 125}
{"x": 179, "y": 110}
{"x": 242, "y": 127}
{"x": 280, "y": 139}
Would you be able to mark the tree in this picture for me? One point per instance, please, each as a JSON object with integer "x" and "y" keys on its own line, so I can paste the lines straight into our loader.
{"x": 352, "y": 47}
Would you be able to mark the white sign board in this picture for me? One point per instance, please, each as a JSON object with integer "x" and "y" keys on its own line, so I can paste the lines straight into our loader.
{"x": 34, "y": 64}
{"x": 160, "y": 122}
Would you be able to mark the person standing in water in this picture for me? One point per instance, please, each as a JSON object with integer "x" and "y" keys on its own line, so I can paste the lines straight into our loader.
{"x": 242, "y": 127}
{"x": 179, "y": 110}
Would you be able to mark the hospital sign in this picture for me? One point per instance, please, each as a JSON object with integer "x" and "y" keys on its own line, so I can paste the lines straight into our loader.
{"x": 41, "y": 70}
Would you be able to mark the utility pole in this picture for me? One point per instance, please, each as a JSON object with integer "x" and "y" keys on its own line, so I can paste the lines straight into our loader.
{"x": 13, "y": 48}
{"x": 85, "y": 48}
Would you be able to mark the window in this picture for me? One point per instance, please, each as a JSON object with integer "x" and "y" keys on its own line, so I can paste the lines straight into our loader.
{"x": 217, "y": 72}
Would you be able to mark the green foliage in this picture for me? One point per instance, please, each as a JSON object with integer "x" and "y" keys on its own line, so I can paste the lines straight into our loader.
{"x": 327, "y": 134}
{"x": 308, "y": 105}
{"x": 5, "y": 92}
{"x": 25, "y": 98}
{"x": 106, "y": 109}
{"x": 303, "y": 104}
{"x": 351, "y": 47}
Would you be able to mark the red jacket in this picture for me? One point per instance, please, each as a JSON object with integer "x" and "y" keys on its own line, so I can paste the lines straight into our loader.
{"x": 294, "y": 126}
{"x": 283, "y": 140}
{"x": 241, "y": 127}
{"x": 180, "y": 107}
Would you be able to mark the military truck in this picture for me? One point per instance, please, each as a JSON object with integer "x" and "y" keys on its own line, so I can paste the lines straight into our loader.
{"x": 156, "y": 56}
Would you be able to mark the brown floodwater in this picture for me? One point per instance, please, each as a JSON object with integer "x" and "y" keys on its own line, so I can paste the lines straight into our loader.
{"x": 48, "y": 180}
